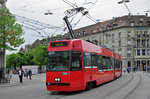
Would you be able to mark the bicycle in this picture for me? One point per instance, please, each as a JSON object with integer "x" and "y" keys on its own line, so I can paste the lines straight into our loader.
{"x": 5, "y": 80}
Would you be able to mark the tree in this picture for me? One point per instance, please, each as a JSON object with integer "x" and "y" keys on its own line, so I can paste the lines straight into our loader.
{"x": 11, "y": 61}
{"x": 40, "y": 55}
{"x": 10, "y": 33}
{"x": 28, "y": 58}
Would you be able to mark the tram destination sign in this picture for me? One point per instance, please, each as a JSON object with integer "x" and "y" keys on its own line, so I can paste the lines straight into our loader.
{"x": 59, "y": 44}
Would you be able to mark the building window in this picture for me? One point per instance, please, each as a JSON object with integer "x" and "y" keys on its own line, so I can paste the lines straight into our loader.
{"x": 138, "y": 42}
{"x": 119, "y": 51}
{"x": 140, "y": 23}
{"x": 107, "y": 44}
{"x": 145, "y": 32}
{"x": 132, "y": 23}
{"x": 143, "y": 42}
{"x": 129, "y": 52}
{"x": 94, "y": 31}
{"x": 148, "y": 23}
{"x": 119, "y": 43}
{"x": 147, "y": 42}
{"x": 129, "y": 63}
{"x": 106, "y": 37}
{"x": 129, "y": 42}
{"x": 79, "y": 33}
{"x": 84, "y": 32}
{"x": 94, "y": 38}
{"x": 143, "y": 51}
{"x": 129, "y": 34}
{"x": 147, "y": 52}
{"x": 113, "y": 44}
{"x": 119, "y": 34}
{"x": 138, "y": 52}
{"x": 113, "y": 36}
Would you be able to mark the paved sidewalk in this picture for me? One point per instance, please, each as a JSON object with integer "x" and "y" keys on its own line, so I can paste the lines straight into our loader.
{"x": 39, "y": 78}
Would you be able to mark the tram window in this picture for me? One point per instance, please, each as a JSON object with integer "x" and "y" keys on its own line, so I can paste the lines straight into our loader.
{"x": 108, "y": 63}
{"x": 58, "y": 61}
{"x": 87, "y": 60}
{"x": 117, "y": 63}
{"x": 111, "y": 63}
{"x": 94, "y": 60}
{"x": 76, "y": 62}
{"x": 104, "y": 63}
{"x": 100, "y": 62}
{"x": 114, "y": 63}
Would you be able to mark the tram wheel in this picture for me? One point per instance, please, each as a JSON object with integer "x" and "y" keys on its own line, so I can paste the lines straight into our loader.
{"x": 89, "y": 85}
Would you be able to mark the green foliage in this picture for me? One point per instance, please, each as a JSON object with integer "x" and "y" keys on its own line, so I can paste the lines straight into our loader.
{"x": 58, "y": 35}
{"x": 10, "y": 31}
{"x": 36, "y": 56}
{"x": 11, "y": 61}
{"x": 40, "y": 54}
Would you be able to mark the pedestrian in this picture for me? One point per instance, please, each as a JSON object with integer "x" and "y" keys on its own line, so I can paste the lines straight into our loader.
{"x": 30, "y": 73}
{"x": 128, "y": 69}
{"x": 20, "y": 73}
{"x": 144, "y": 69}
{"x": 26, "y": 73}
{"x": 148, "y": 70}
{"x": 124, "y": 70}
{"x": 10, "y": 74}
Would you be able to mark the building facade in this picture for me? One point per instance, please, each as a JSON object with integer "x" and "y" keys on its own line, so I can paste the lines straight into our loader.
{"x": 128, "y": 36}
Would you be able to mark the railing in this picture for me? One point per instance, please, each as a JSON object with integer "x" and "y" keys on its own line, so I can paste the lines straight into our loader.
{"x": 142, "y": 35}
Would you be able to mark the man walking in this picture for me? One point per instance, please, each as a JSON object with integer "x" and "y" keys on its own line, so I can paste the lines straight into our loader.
{"x": 20, "y": 73}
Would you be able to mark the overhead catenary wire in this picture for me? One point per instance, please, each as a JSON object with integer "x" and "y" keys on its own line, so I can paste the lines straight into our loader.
{"x": 38, "y": 22}
{"x": 38, "y": 26}
{"x": 33, "y": 30}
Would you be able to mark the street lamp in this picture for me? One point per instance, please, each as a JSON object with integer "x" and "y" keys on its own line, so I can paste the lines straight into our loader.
{"x": 48, "y": 13}
{"x": 124, "y": 2}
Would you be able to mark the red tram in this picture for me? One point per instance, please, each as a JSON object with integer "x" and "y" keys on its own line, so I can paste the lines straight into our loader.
{"x": 78, "y": 65}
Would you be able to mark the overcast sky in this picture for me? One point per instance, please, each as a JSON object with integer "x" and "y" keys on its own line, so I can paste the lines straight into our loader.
{"x": 98, "y": 9}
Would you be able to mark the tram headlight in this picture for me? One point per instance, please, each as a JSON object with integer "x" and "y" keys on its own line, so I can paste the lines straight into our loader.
{"x": 57, "y": 79}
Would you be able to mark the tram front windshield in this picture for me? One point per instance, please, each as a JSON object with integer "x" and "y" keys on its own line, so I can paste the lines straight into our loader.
{"x": 58, "y": 61}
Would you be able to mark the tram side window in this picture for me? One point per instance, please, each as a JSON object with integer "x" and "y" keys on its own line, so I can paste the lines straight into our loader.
{"x": 104, "y": 63}
{"x": 94, "y": 60}
{"x": 108, "y": 63}
{"x": 111, "y": 63}
{"x": 114, "y": 60}
{"x": 118, "y": 64}
{"x": 87, "y": 60}
{"x": 76, "y": 61}
{"x": 100, "y": 62}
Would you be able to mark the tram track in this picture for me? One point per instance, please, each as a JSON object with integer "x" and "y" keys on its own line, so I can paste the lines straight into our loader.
{"x": 125, "y": 97}
{"x": 148, "y": 76}
{"x": 148, "y": 97}
{"x": 109, "y": 94}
